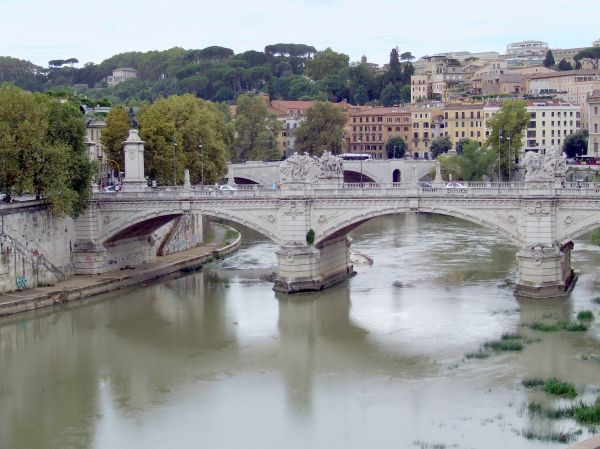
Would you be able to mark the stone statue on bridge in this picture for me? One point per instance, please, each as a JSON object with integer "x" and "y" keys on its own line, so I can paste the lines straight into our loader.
{"x": 331, "y": 166}
{"x": 545, "y": 167}
{"x": 309, "y": 169}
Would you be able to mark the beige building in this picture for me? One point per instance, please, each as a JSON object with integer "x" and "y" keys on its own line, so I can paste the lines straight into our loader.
{"x": 593, "y": 105}
{"x": 551, "y": 121}
{"x": 369, "y": 129}
{"x": 573, "y": 86}
{"x": 121, "y": 74}
{"x": 509, "y": 84}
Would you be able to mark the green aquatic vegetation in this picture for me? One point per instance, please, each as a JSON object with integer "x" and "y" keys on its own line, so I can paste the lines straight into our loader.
{"x": 559, "y": 437}
{"x": 560, "y": 325}
{"x": 532, "y": 382}
{"x": 581, "y": 412}
{"x": 596, "y": 300}
{"x": 504, "y": 345}
{"x": 585, "y": 315}
{"x": 559, "y": 388}
{"x": 477, "y": 355}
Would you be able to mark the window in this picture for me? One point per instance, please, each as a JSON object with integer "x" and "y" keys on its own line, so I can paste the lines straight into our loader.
{"x": 595, "y": 127}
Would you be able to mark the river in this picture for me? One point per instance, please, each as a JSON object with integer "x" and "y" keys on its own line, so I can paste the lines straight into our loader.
{"x": 218, "y": 360}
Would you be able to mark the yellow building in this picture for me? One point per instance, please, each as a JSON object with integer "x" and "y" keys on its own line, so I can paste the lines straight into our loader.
{"x": 464, "y": 121}
{"x": 427, "y": 124}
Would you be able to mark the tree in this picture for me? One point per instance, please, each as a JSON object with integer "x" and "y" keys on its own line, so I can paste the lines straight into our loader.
{"x": 57, "y": 63}
{"x": 549, "y": 60}
{"x": 256, "y": 129}
{"x": 395, "y": 147}
{"x": 564, "y": 65}
{"x": 407, "y": 56}
{"x": 592, "y": 54}
{"x": 360, "y": 95}
{"x": 322, "y": 130}
{"x": 440, "y": 145}
{"x": 394, "y": 73}
{"x": 391, "y": 94}
{"x": 461, "y": 143}
{"x": 23, "y": 74}
{"x": 115, "y": 133}
{"x": 506, "y": 134}
{"x": 576, "y": 144}
{"x": 186, "y": 132}
{"x": 472, "y": 164}
{"x": 325, "y": 63}
{"x": 42, "y": 150}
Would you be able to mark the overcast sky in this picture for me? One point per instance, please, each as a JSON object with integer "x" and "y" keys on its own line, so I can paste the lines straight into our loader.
{"x": 41, "y": 30}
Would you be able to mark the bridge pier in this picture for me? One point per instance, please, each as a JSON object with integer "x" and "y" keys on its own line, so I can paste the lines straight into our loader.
{"x": 545, "y": 271}
{"x": 304, "y": 268}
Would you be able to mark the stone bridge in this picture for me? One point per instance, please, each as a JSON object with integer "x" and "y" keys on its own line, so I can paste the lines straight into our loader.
{"x": 310, "y": 216}
{"x": 381, "y": 171}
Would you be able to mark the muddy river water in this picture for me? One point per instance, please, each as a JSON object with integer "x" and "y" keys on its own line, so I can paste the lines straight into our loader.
{"x": 218, "y": 360}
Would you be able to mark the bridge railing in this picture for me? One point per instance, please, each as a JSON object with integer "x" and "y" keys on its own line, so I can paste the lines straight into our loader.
{"x": 365, "y": 189}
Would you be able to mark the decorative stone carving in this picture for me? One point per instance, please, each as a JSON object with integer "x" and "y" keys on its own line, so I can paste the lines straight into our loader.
{"x": 568, "y": 220}
{"x": 305, "y": 168}
{"x": 512, "y": 219}
{"x": 299, "y": 168}
{"x": 293, "y": 209}
{"x": 538, "y": 209}
{"x": 545, "y": 167}
{"x": 331, "y": 167}
{"x": 271, "y": 218}
{"x": 538, "y": 255}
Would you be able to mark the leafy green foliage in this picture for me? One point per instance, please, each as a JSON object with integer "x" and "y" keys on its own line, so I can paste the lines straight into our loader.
{"x": 115, "y": 133}
{"x": 507, "y": 129}
{"x": 189, "y": 131}
{"x": 326, "y": 63}
{"x": 395, "y": 147}
{"x": 256, "y": 131}
{"x": 549, "y": 59}
{"x": 42, "y": 150}
{"x": 559, "y": 388}
{"x": 440, "y": 145}
{"x": 585, "y": 315}
{"x": 472, "y": 164}
{"x": 322, "y": 130}
{"x": 564, "y": 65}
{"x": 310, "y": 237}
{"x": 591, "y": 53}
{"x": 576, "y": 144}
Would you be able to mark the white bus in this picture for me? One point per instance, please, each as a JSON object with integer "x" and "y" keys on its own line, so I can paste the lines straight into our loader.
{"x": 355, "y": 157}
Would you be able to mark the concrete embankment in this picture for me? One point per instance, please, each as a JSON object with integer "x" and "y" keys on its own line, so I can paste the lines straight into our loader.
{"x": 84, "y": 286}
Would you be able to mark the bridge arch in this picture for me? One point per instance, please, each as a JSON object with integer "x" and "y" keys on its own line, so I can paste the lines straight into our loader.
{"x": 352, "y": 176}
{"x": 146, "y": 222}
{"x": 576, "y": 228}
{"x": 347, "y": 222}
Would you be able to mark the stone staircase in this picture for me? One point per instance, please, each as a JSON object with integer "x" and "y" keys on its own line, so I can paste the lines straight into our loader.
{"x": 37, "y": 259}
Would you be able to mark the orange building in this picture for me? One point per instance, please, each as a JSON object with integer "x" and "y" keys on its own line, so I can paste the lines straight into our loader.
{"x": 369, "y": 129}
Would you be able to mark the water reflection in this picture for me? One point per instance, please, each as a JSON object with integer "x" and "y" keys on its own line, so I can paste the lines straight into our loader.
{"x": 217, "y": 359}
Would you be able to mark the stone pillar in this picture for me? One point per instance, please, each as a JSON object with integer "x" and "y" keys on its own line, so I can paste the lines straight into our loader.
{"x": 135, "y": 180}
{"x": 305, "y": 268}
{"x": 186, "y": 180}
{"x": 92, "y": 156}
{"x": 544, "y": 268}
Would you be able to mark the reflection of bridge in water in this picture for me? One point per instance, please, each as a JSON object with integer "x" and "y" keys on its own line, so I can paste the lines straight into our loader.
{"x": 310, "y": 216}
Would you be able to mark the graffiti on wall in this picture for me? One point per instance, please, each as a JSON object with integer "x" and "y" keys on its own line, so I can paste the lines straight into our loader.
{"x": 21, "y": 282}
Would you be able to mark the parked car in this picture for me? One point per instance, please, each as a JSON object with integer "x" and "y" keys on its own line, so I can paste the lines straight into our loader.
{"x": 227, "y": 188}
{"x": 424, "y": 185}
{"x": 455, "y": 185}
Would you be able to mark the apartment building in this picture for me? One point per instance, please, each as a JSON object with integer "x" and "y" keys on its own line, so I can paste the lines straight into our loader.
{"x": 464, "y": 121}
{"x": 512, "y": 84}
{"x": 427, "y": 124}
{"x": 593, "y": 106}
{"x": 369, "y": 129}
{"x": 526, "y": 53}
{"x": 439, "y": 78}
{"x": 551, "y": 121}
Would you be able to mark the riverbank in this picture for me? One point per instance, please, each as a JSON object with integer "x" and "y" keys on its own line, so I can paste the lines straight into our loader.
{"x": 84, "y": 286}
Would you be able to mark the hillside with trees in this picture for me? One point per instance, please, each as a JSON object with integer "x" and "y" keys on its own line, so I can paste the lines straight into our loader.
{"x": 285, "y": 71}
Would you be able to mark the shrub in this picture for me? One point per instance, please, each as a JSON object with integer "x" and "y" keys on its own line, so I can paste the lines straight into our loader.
{"x": 585, "y": 315}
{"x": 559, "y": 388}
{"x": 533, "y": 382}
{"x": 310, "y": 237}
